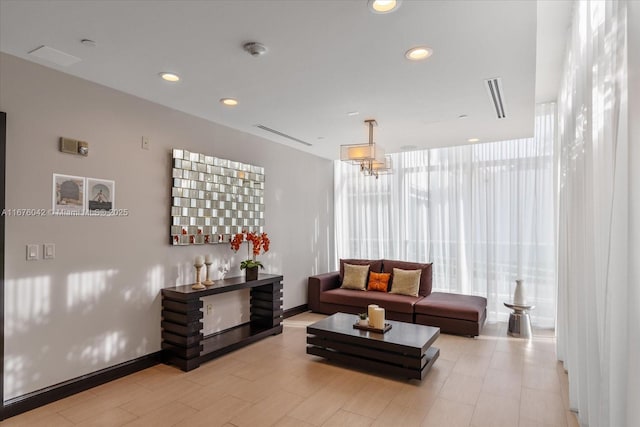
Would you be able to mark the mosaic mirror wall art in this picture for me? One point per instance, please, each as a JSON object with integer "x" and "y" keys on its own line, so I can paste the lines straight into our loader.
{"x": 212, "y": 198}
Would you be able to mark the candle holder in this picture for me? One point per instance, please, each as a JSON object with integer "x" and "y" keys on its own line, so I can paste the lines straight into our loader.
{"x": 208, "y": 281}
{"x": 198, "y": 285}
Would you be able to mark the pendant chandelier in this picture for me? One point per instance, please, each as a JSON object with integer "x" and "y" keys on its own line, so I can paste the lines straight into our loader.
{"x": 370, "y": 157}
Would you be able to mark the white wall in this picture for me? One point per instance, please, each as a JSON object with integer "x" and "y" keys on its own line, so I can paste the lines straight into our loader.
{"x": 98, "y": 303}
{"x": 633, "y": 50}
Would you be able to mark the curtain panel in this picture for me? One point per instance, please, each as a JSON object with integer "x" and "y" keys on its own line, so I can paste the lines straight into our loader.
{"x": 483, "y": 214}
{"x": 593, "y": 283}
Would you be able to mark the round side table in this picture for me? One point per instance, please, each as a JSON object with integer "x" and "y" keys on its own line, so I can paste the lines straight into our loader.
{"x": 519, "y": 321}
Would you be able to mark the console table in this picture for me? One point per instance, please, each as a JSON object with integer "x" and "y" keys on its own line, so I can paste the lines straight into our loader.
{"x": 183, "y": 342}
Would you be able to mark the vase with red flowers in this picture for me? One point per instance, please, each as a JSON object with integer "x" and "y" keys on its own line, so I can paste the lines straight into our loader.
{"x": 256, "y": 244}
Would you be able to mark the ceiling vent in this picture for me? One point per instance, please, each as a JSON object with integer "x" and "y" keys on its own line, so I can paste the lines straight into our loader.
{"x": 494, "y": 89}
{"x": 54, "y": 55}
{"x": 284, "y": 135}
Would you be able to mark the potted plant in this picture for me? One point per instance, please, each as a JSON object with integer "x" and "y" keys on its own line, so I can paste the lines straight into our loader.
{"x": 363, "y": 319}
{"x": 256, "y": 243}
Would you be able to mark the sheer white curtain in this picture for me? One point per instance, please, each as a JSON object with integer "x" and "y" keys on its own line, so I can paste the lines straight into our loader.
{"x": 483, "y": 214}
{"x": 593, "y": 215}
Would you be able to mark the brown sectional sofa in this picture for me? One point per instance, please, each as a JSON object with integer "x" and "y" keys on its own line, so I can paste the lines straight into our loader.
{"x": 452, "y": 313}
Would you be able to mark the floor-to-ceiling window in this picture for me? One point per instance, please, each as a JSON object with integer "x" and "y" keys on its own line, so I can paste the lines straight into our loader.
{"x": 483, "y": 214}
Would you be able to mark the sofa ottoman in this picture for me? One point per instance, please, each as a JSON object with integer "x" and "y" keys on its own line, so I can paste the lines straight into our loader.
{"x": 397, "y": 307}
{"x": 452, "y": 313}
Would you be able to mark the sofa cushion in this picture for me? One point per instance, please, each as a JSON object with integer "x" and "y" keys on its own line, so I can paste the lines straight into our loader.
{"x": 425, "y": 275}
{"x": 374, "y": 265}
{"x": 405, "y": 282}
{"x": 378, "y": 282}
{"x": 466, "y": 307}
{"x": 390, "y": 302}
{"x": 355, "y": 277}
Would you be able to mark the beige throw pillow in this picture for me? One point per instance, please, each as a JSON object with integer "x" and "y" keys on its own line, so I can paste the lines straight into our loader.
{"x": 355, "y": 277}
{"x": 405, "y": 282}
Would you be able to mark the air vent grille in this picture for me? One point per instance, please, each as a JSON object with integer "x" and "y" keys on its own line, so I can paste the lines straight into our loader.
{"x": 284, "y": 135}
{"x": 54, "y": 55}
{"x": 494, "y": 89}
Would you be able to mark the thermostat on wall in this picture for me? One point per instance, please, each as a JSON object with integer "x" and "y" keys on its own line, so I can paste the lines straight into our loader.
{"x": 73, "y": 146}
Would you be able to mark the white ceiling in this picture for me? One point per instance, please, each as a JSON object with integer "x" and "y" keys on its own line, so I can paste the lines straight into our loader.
{"x": 326, "y": 58}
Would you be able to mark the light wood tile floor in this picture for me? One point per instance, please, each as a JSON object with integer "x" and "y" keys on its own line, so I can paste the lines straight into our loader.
{"x": 492, "y": 380}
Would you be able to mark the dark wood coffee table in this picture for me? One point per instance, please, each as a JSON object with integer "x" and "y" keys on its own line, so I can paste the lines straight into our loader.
{"x": 404, "y": 351}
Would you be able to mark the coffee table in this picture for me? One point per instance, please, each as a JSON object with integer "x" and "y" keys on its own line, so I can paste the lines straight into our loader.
{"x": 404, "y": 351}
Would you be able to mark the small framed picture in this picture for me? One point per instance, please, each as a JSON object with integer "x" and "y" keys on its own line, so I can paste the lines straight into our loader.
{"x": 68, "y": 193}
{"x": 100, "y": 194}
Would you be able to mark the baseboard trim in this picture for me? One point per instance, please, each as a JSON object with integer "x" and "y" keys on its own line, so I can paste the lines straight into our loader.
{"x": 295, "y": 310}
{"x": 38, "y": 398}
{"x": 33, "y": 400}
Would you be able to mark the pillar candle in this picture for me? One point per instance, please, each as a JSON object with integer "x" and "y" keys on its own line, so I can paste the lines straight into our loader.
{"x": 373, "y": 318}
{"x": 208, "y": 258}
{"x": 370, "y": 310}
{"x": 377, "y": 320}
{"x": 381, "y": 318}
{"x": 199, "y": 260}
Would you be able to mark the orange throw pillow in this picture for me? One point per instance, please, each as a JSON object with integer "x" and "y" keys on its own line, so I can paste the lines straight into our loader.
{"x": 378, "y": 281}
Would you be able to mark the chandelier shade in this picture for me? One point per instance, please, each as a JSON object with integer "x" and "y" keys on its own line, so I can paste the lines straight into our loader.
{"x": 370, "y": 157}
{"x": 357, "y": 153}
{"x": 381, "y": 167}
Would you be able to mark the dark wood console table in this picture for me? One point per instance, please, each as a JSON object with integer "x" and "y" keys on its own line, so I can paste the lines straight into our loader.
{"x": 183, "y": 342}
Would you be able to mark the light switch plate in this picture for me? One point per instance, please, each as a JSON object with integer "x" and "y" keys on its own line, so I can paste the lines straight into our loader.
{"x": 32, "y": 252}
{"x": 49, "y": 251}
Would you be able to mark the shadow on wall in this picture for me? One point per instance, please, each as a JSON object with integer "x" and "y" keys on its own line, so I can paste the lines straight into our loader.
{"x": 27, "y": 306}
{"x": 323, "y": 257}
{"x": 87, "y": 327}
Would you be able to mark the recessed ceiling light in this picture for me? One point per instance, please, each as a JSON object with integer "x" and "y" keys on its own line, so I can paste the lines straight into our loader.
{"x": 418, "y": 53}
{"x": 473, "y": 140}
{"x": 353, "y": 113}
{"x": 255, "y": 48}
{"x": 229, "y": 102}
{"x": 384, "y": 6}
{"x": 170, "y": 77}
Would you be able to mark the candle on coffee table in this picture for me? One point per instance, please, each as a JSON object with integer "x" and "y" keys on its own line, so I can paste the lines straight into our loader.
{"x": 377, "y": 318}
{"x": 370, "y": 309}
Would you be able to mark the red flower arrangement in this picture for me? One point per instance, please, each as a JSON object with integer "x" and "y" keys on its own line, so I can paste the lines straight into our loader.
{"x": 259, "y": 243}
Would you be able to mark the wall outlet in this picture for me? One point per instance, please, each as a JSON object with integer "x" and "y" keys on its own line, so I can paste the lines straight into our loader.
{"x": 209, "y": 309}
